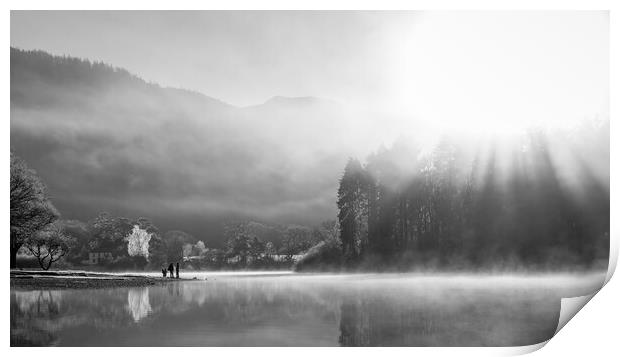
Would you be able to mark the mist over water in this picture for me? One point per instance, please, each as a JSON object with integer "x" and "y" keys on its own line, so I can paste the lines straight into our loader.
{"x": 303, "y": 310}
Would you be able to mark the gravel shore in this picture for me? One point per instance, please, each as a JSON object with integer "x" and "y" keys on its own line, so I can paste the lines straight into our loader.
{"x": 34, "y": 279}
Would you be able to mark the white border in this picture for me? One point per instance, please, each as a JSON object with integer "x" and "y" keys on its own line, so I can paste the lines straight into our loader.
{"x": 593, "y": 328}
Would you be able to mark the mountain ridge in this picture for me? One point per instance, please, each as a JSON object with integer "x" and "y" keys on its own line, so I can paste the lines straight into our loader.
{"x": 122, "y": 74}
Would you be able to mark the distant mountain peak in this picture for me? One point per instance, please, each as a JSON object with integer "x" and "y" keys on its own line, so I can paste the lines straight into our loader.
{"x": 282, "y": 100}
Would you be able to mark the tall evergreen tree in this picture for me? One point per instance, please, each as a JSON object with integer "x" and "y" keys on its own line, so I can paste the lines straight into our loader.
{"x": 353, "y": 209}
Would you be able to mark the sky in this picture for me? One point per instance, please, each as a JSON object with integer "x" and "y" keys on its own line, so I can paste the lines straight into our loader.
{"x": 467, "y": 70}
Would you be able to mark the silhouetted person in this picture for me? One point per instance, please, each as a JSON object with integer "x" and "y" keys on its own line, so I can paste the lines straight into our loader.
{"x": 177, "y": 270}
{"x": 171, "y": 270}
{"x": 163, "y": 272}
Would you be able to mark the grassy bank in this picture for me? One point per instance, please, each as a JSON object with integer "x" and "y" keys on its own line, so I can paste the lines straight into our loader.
{"x": 34, "y": 279}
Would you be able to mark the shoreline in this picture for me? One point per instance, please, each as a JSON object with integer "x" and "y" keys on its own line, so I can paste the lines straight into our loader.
{"x": 34, "y": 279}
{"x": 72, "y": 279}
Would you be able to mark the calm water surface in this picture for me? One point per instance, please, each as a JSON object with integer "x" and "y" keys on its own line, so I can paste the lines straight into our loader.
{"x": 302, "y": 310}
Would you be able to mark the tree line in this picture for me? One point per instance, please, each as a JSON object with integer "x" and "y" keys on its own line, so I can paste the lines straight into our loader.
{"x": 38, "y": 231}
{"x": 445, "y": 208}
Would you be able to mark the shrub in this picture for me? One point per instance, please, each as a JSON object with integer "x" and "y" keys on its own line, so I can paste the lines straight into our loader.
{"x": 326, "y": 255}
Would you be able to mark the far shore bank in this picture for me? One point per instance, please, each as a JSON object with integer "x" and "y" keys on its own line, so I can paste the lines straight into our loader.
{"x": 33, "y": 279}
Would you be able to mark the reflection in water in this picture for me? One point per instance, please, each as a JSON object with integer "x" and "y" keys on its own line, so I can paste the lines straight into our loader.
{"x": 306, "y": 310}
{"x": 39, "y": 301}
{"x": 138, "y": 303}
{"x": 27, "y": 306}
{"x": 492, "y": 319}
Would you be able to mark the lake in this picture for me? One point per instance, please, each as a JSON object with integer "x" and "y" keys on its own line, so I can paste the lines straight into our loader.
{"x": 287, "y": 309}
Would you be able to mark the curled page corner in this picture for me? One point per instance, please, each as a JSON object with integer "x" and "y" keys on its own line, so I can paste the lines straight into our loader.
{"x": 613, "y": 260}
{"x": 523, "y": 350}
{"x": 570, "y": 307}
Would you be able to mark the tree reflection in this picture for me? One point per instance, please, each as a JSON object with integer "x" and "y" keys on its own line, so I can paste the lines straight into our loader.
{"x": 30, "y": 305}
{"x": 138, "y": 303}
{"x": 493, "y": 320}
{"x": 38, "y": 317}
{"x": 389, "y": 310}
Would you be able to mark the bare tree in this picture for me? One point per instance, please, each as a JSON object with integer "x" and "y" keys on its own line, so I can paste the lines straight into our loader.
{"x": 49, "y": 245}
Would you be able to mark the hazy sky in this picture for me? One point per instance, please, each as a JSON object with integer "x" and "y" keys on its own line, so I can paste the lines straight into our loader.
{"x": 454, "y": 69}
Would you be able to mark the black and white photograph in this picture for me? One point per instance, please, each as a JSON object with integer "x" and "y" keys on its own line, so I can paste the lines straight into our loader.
{"x": 306, "y": 178}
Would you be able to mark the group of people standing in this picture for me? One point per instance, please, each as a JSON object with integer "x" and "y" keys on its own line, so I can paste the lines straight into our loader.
{"x": 171, "y": 270}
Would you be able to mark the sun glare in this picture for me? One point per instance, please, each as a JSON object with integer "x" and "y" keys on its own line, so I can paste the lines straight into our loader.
{"x": 498, "y": 74}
